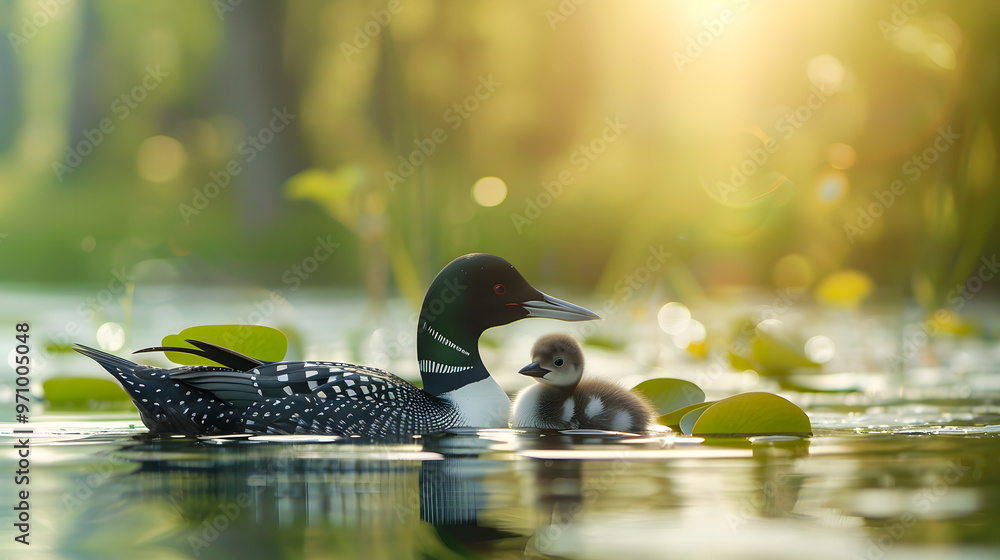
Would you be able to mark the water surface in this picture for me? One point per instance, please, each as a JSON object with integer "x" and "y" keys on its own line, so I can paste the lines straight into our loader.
{"x": 906, "y": 465}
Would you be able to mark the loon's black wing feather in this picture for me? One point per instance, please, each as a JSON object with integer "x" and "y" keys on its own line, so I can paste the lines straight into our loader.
{"x": 224, "y": 356}
{"x": 167, "y": 406}
{"x": 279, "y": 398}
{"x": 232, "y": 358}
{"x": 283, "y": 379}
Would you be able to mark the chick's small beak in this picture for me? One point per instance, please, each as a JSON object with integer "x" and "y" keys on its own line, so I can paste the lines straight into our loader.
{"x": 533, "y": 370}
{"x": 555, "y": 308}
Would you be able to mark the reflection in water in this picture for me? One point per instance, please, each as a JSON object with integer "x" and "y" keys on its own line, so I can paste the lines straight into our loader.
{"x": 510, "y": 495}
{"x": 232, "y": 497}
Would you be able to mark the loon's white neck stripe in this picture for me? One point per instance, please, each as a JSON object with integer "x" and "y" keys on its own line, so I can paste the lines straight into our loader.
{"x": 430, "y": 366}
{"x": 441, "y": 338}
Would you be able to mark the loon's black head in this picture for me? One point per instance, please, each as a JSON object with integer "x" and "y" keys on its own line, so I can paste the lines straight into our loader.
{"x": 557, "y": 361}
{"x": 479, "y": 291}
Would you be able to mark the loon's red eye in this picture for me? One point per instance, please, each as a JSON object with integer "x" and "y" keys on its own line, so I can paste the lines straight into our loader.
{"x": 499, "y": 289}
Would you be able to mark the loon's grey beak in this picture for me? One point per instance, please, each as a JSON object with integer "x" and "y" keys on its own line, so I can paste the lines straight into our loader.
{"x": 533, "y": 370}
{"x": 555, "y": 308}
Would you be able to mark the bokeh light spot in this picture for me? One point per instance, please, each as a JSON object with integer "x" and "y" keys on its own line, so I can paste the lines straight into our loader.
{"x": 489, "y": 191}
{"x": 841, "y": 156}
{"x": 674, "y": 318}
{"x": 831, "y": 187}
{"x": 160, "y": 158}
{"x": 909, "y": 39}
{"x": 773, "y": 327}
{"x": 941, "y": 54}
{"x": 845, "y": 288}
{"x": 88, "y": 244}
{"x": 111, "y": 336}
{"x": 695, "y": 333}
{"x": 825, "y": 71}
{"x": 820, "y": 349}
{"x": 793, "y": 271}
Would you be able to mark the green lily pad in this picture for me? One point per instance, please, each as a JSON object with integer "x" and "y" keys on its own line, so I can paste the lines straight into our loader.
{"x": 752, "y": 414}
{"x": 691, "y": 418}
{"x": 257, "y": 341}
{"x": 778, "y": 356}
{"x": 79, "y": 392}
{"x": 739, "y": 362}
{"x": 667, "y": 394}
{"x": 673, "y": 419}
{"x": 606, "y": 342}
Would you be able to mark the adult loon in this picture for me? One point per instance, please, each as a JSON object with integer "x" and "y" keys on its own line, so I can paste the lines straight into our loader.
{"x": 561, "y": 401}
{"x": 471, "y": 294}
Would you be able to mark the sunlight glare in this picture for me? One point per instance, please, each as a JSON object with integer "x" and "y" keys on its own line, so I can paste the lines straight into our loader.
{"x": 820, "y": 349}
{"x": 160, "y": 158}
{"x": 674, "y": 318}
{"x": 111, "y": 336}
{"x": 489, "y": 191}
{"x": 825, "y": 71}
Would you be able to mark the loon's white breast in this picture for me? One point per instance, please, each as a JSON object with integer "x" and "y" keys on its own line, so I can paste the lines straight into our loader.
{"x": 481, "y": 404}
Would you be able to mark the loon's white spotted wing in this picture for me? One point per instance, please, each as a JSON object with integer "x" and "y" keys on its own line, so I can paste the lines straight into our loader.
{"x": 289, "y": 378}
{"x": 325, "y": 398}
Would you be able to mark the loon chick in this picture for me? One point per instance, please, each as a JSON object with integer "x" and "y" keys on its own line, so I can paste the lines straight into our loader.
{"x": 561, "y": 401}
{"x": 471, "y": 294}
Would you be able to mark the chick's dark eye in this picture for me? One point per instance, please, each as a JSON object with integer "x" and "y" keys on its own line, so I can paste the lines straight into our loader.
{"x": 558, "y": 362}
{"x": 499, "y": 289}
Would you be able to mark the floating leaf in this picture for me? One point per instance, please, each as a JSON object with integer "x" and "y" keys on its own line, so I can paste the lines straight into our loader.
{"x": 778, "y": 356}
{"x": 332, "y": 190}
{"x": 605, "y": 342}
{"x": 673, "y": 419}
{"x": 79, "y": 392}
{"x": 688, "y": 420}
{"x": 752, "y": 414}
{"x": 667, "y": 394}
{"x": 263, "y": 343}
{"x": 740, "y": 362}
{"x": 844, "y": 288}
{"x": 56, "y": 348}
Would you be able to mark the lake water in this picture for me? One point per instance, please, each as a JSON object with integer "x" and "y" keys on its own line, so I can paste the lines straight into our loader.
{"x": 905, "y": 466}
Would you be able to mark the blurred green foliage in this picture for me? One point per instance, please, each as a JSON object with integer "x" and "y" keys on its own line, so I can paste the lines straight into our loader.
{"x": 759, "y": 143}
